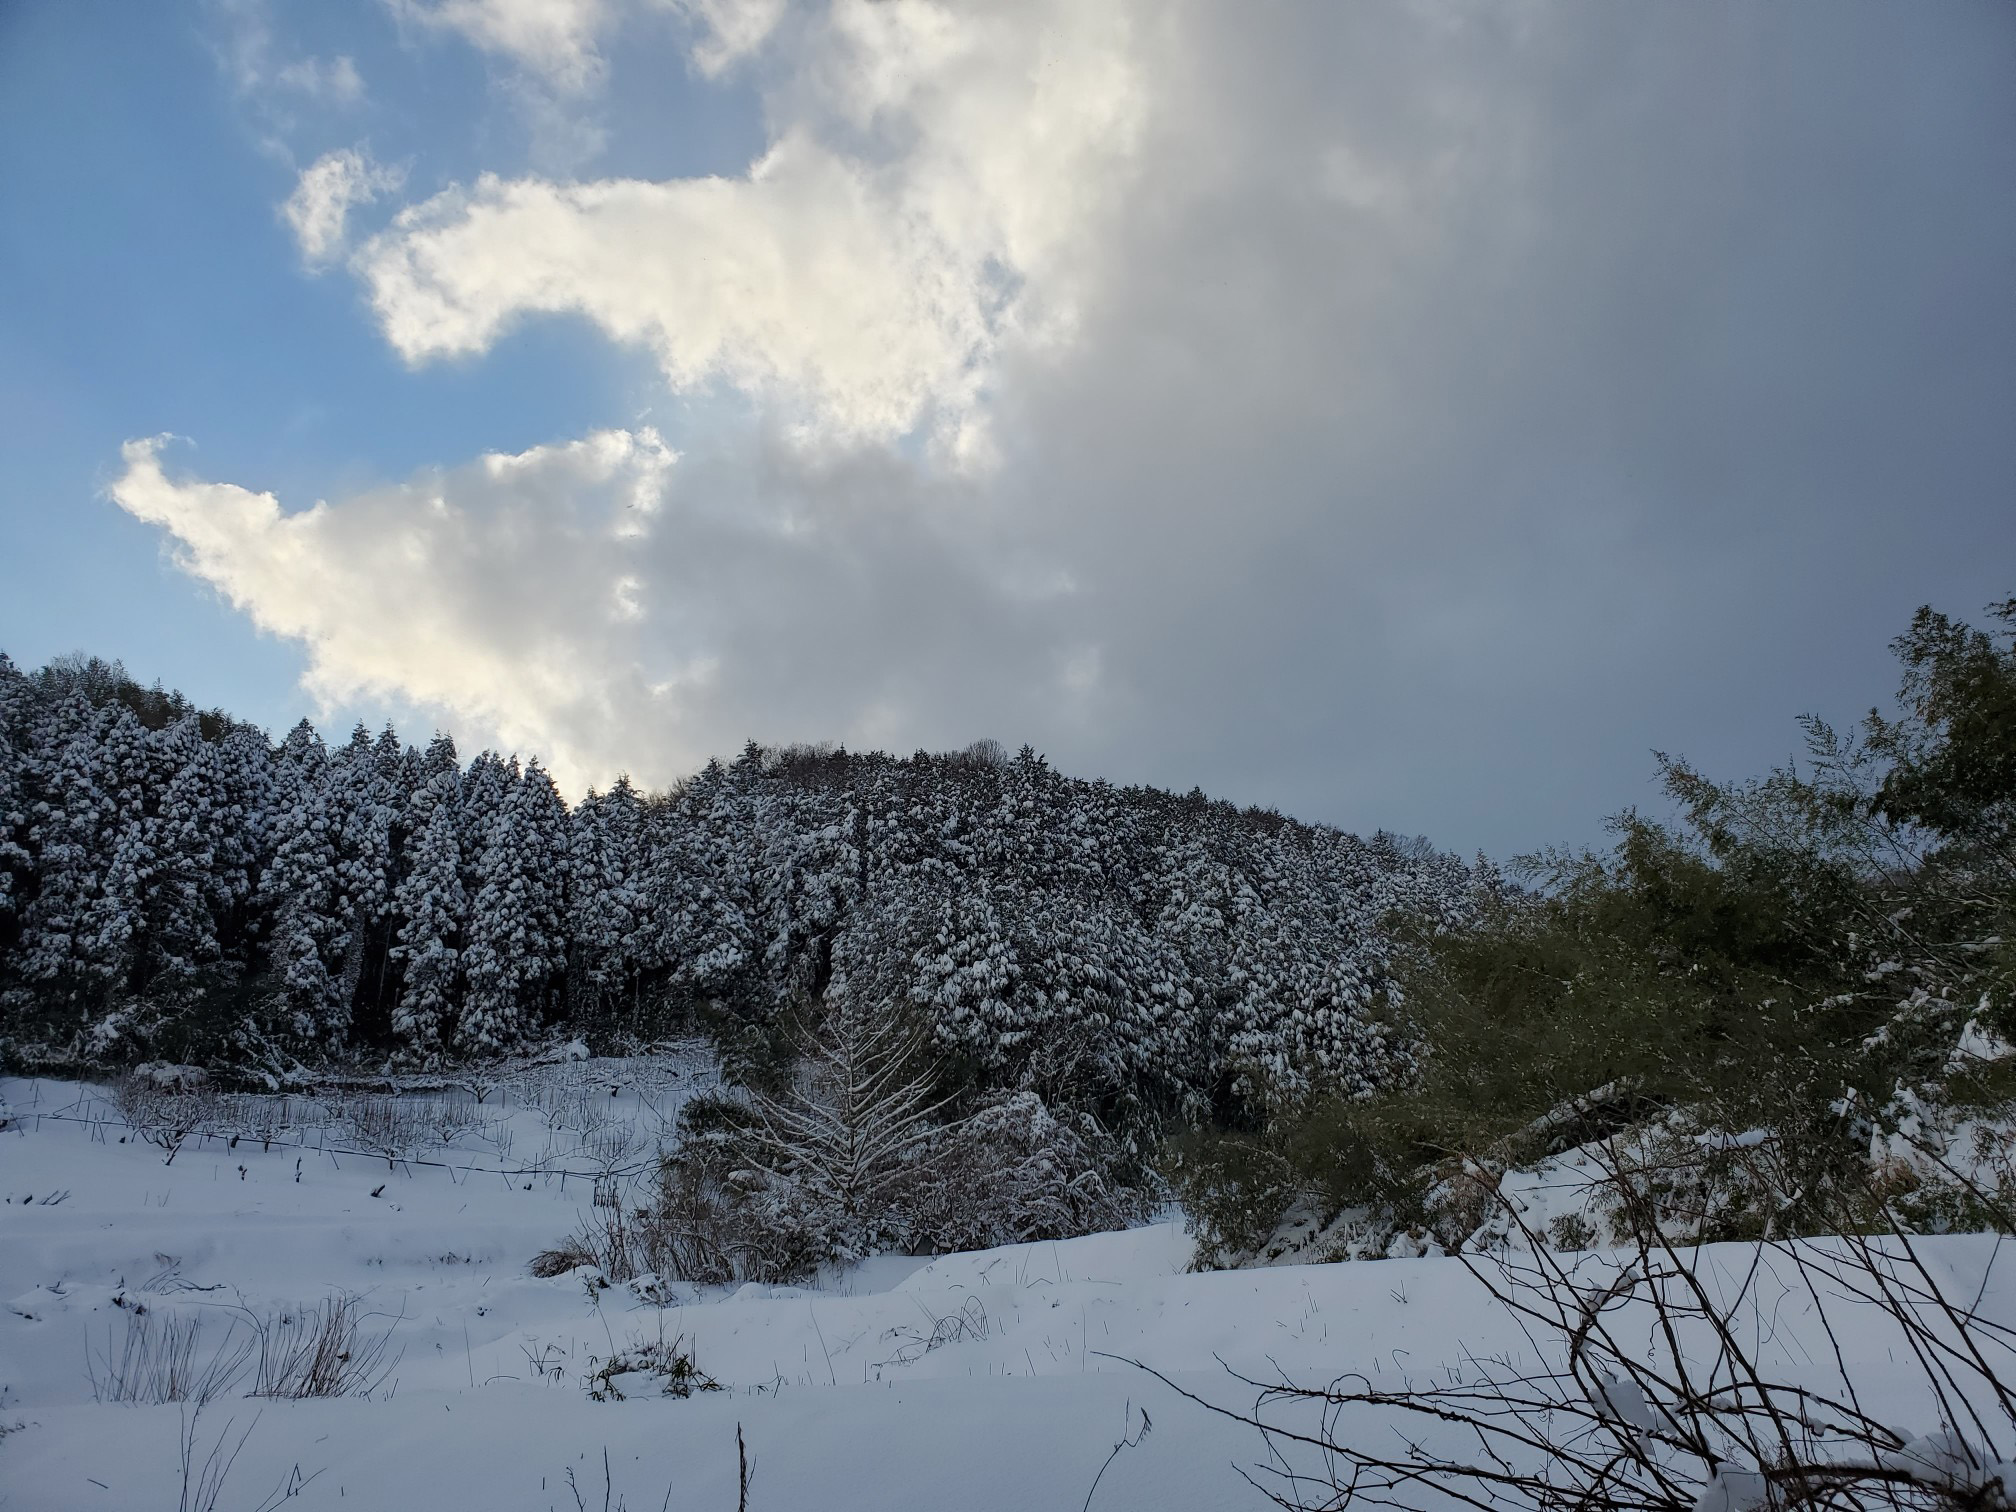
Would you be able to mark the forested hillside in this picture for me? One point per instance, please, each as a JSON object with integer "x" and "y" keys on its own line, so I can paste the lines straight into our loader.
{"x": 173, "y": 885}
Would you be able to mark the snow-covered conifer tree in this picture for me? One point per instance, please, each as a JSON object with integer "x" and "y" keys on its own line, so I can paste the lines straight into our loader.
{"x": 362, "y": 800}
{"x": 164, "y": 864}
{"x": 605, "y": 902}
{"x": 302, "y": 891}
{"x": 432, "y": 910}
{"x": 486, "y": 785}
{"x": 699, "y": 889}
{"x": 241, "y": 832}
{"x": 517, "y": 944}
{"x": 437, "y": 762}
{"x": 67, "y": 830}
{"x": 16, "y": 700}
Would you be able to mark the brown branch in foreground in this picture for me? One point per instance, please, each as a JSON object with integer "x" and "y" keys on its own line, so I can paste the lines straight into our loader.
{"x": 1662, "y": 1380}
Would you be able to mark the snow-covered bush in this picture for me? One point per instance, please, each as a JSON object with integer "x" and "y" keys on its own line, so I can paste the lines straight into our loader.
{"x": 1015, "y": 1171}
{"x": 655, "y": 1366}
{"x": 747, "y": 1194}
{"x": 717, "y": 1215}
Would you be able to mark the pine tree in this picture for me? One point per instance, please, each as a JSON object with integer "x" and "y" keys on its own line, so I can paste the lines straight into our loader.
{"x": 432, "y": 908}
{"x": 486, "y": 787}
{"x": 15, "y": 860}
{"x": 302, "y": 749}
{"x": 362, "y": 800}
{"x": 437, "y": 777}
{"x": 302, "y": 891}
{"x": 699, "y": 889}
{"x": 848, "y": 1136}
{"x": 165, "y": 867}
{"x": 114, "y": 930}
{"x": 605, "y": 902}
{"x": 517, "y": 944}
{"x": 74, "y": 827}
{"x": 241, "y": 836}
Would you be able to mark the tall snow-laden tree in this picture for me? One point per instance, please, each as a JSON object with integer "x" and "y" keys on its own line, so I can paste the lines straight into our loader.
{"x": 517, "y": 942}
{"x": 362, "y": 799}
{"x": 68, "y": 830}
{"x": 965, "y": 974}
{"x": 241, "y": 835}
{"x": 164, "y": 870}
{"x": 699, "y": 890}
{"x": 304, "y": 896}
{"x": 128, "y": 778}
{"x": 437, "y": 777}
{"x": 485, "y": 788}
{"x": 606, "y": 904}
{"x": 16, "y": 702}
{"x": 302, "y": 749}
{"x": 432, "y": 910}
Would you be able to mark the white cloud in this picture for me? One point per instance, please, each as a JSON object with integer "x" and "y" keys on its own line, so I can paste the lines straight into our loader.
{"x": 261, "y": 68}
{"x": 560, "y": 41}
{"x": 555, "y": 40}
{"x": 334, "y": 80}
{"x": 486, "y": 590}
{"x": 318, "y": 210}
{"x": 590, "y": 602}
{"x": 936, "y": 177}
{"x": 729, "y": 30}
{"x": 551, "y": 64}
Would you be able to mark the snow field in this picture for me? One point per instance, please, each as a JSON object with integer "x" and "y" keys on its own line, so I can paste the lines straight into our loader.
{"x": 996, "y": 1379}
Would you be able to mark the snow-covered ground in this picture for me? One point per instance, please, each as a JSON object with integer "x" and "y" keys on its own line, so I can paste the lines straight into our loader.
{"x": 1000, "y": 1379}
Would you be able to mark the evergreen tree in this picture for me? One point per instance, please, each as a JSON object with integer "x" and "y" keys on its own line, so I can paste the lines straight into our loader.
{"x": 432, "y": 909}
{"x": 1132, "y": 952}
{"x": 517, "y": 944}
{"x": 241, "y": 835}
{"x": 437, "y": 777}
{"x": 165, "y": 870}
{"x": 485, "y": 788}
{"x": 15, "y": 860}
{"x": 362, "y": 799}
{"x": 304, "y": 897}
{"x": 605, "y": 900}
{"x": 700, "y": 890}
{"x": 68, "y": 830}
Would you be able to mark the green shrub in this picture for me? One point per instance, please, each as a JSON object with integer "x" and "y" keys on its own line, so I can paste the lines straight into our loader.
{"x": 1785, "y": 956}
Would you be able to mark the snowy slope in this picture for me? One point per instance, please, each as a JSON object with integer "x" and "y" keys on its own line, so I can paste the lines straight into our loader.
{"x": 991, "y": 1380}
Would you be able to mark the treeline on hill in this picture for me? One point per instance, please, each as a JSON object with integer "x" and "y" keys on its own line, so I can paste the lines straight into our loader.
{"x": 1795, "y": 998}
{"x": 174, "y": 886}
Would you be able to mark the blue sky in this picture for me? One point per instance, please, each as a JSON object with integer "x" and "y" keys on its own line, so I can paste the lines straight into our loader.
{"x": 160, "y": 291}
{"x": 1405, "y": 416}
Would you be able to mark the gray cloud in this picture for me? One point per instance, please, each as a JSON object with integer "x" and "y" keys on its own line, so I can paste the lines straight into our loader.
{"x": 1649, "y": 381}
{"x": 1433, "y": 410}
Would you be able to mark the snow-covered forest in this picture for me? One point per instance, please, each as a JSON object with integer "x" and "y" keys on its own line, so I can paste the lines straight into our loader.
{"x": 1686, "y": 1161}
{"x": 175, "y": 886}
